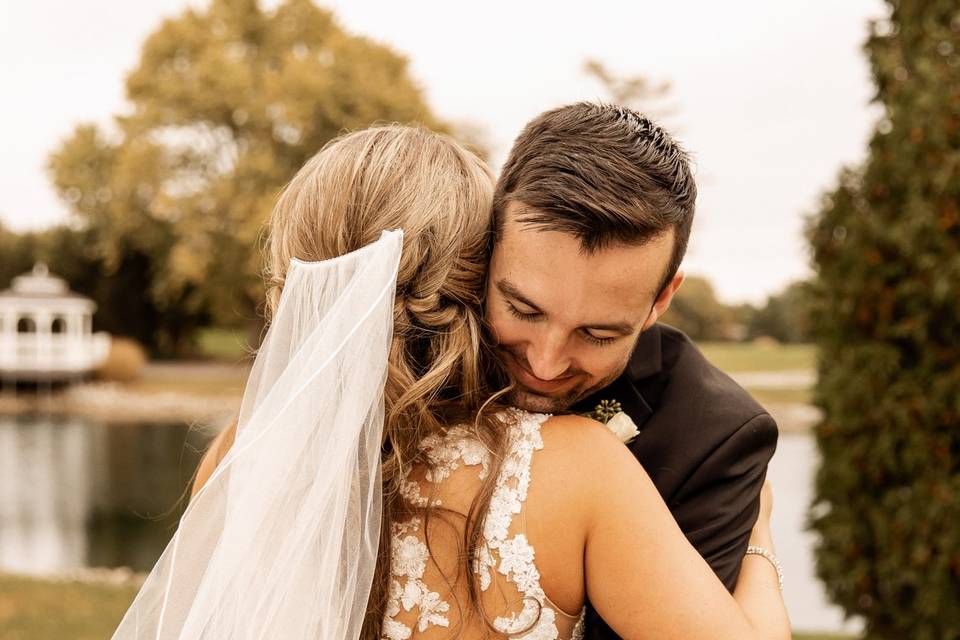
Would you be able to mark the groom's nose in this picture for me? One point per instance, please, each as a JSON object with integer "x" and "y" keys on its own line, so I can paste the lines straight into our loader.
{"x": 547, "y": 357}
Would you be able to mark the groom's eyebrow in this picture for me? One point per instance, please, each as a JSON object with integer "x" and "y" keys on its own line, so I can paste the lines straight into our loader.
{"x": 507, "y": 288}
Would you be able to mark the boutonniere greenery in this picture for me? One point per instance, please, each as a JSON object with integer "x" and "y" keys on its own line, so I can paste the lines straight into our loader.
{"x": 610, "y": 413}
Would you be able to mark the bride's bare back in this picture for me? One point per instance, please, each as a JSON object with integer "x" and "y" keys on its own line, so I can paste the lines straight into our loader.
{"x": 428, "y": 584}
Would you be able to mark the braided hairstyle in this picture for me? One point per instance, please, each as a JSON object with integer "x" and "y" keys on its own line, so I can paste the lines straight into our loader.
{"x": 440, "y": 194}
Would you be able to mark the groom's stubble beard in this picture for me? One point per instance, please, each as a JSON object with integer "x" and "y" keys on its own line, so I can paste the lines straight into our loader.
{"x": 530, "y": 400}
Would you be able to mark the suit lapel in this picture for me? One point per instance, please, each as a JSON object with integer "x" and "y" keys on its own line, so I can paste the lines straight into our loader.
{"x": 646, "y": 359}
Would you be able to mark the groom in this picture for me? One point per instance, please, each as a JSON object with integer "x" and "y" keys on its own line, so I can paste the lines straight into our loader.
{"x": 592, "y": 214}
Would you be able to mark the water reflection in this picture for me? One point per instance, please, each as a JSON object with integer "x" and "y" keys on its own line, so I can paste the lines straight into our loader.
{"x": 792, "y": 476}
{"x": 76, "y": 492}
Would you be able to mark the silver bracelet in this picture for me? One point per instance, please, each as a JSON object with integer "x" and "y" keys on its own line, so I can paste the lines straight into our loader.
{"x": 772, "y": 559}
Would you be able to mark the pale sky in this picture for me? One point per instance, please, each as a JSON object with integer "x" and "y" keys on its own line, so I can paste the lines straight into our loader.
{"x": 771, "y": 97}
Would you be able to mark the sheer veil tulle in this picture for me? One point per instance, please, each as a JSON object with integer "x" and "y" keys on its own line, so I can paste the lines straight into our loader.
{"x": 282, "y": 540}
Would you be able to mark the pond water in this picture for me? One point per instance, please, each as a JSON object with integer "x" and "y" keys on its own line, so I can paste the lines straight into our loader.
{"x": 77, "y": 492}
{"x": 791, "y": 473}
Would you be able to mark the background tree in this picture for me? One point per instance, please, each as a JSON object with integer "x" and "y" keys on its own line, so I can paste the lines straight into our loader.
{"x": 696, "y": 311}
{"x": 886, "y": 247}
{"x": 17, "y": 252}
{"x": 225, "y": 105}
{"x": 68, "y": 253}
{"x": 785, "y": 316}
{"x": 635, "y": 91}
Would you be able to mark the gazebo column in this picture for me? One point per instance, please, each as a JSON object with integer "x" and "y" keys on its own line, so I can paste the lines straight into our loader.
{"x": 67, "y": 340}
{"x": 8, "y": 338}
{"x": 75, "y": 324}
{"x": 44, "y": 343}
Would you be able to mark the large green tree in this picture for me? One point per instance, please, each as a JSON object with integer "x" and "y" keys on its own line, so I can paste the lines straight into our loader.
{"x": 886, "y": 247}
{"x": 224, "y": 106}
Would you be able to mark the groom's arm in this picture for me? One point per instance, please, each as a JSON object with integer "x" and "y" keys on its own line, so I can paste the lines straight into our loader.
{"x": 717, "y": 505}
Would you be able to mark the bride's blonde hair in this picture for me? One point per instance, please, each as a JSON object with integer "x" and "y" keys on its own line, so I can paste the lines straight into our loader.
{"x": 440, "y": 194}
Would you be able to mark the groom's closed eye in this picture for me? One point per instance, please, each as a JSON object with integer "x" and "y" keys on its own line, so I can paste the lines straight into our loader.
{"x": 523, "y": 314}
{"x": 536, "y": 316}
{"x": 522, "y": 308}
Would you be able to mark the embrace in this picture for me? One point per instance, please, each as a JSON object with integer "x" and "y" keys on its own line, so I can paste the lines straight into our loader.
{"x": 422, "y": 451}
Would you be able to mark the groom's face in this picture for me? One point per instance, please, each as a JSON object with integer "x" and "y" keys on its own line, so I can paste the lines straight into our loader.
{"x": 565, "y": 320}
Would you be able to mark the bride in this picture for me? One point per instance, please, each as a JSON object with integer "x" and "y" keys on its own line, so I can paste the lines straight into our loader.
{"x": 372, "y": 486}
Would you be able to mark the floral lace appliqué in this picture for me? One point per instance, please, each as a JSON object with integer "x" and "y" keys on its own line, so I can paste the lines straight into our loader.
{"x": 447, "y": 452}
{"x": 407, "y": 589}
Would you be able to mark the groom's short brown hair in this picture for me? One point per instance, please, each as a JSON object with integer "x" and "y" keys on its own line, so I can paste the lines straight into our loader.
{"x": 603, "y": 173}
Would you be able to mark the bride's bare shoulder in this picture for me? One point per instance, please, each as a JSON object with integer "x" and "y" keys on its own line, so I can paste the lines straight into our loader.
{"x": 581, "y": 451}
{"x": 581, "y": 438}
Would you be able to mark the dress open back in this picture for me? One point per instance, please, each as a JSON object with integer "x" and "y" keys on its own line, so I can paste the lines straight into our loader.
{"x": 428, "y": 586}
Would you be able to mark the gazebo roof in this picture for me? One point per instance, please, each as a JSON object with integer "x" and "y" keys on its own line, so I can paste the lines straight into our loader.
{"x": 39, "y": 285}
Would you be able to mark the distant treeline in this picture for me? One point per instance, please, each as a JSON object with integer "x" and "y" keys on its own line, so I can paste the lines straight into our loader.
{"x": 783, "y": 317}
{"x": 122, "y": 286}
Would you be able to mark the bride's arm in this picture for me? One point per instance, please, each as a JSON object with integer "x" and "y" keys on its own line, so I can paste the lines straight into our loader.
{"x": 642, "y": 575}
{"x": 756, "y": 574}
{"x": 215, "y": 452}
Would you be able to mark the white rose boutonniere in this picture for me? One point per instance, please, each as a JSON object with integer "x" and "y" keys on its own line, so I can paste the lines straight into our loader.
{"x": 623, "y": 427}
{"x": 610, "y": 413}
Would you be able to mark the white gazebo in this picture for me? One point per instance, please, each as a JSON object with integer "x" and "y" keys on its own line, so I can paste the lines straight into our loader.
{"x": 46, "y": 330}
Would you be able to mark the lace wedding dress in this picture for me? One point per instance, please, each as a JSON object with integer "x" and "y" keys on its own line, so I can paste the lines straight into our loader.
{"x": 427, "y": 593}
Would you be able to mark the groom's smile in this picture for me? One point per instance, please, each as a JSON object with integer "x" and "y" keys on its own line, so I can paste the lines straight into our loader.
{"x": 565, "y": 320}
{"x": 522, "y": 373}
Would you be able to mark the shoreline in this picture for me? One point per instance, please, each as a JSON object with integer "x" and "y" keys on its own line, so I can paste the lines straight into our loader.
{"x": 113, "y": 576}
{"x": 210, "y": 393}
{"x": 112, "y": 402}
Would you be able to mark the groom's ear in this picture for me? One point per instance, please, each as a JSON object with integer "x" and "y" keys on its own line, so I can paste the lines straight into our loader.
{"x": 664, "y": 299}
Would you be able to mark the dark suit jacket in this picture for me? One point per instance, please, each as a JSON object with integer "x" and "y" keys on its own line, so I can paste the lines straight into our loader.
{"x": 704, "y": 441}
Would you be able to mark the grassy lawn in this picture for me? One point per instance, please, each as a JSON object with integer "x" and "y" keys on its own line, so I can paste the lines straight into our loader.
{"x": 229, "y": 345}
{"x": 193, "y": 378}
{"x": 207, "y": 385}
{"x": 820, "y": 636}
{"x": 41, "y": 610}
{"x": 733, "y": 357}
{"x": 782, "y": 396}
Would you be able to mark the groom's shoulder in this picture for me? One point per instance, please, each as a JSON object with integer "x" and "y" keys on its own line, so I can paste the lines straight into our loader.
{"x": 700, "y": 422}
{"x": 688, "y": 384}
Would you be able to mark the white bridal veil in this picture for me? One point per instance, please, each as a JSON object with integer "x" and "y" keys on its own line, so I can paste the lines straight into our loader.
{"x": 282, "y": 540}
